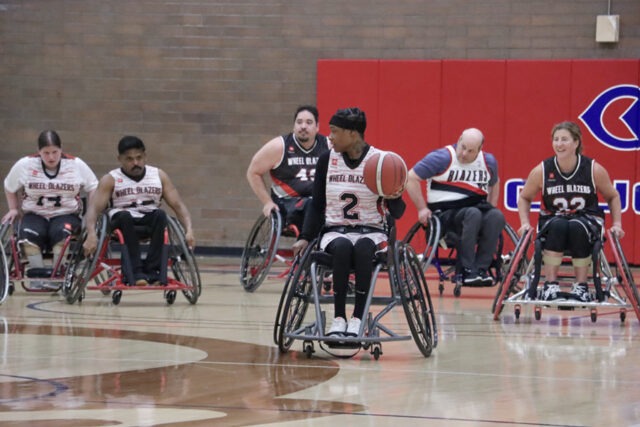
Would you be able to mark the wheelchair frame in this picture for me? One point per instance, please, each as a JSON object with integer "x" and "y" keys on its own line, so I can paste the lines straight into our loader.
{"x": 523, "y": 276}
{"x": 304, "y": 286}
{"x": 16, "y": 264}
{"x": 262, "y": 249}
{"x": 108, "y": 273}
{"x": 432, "y": 236}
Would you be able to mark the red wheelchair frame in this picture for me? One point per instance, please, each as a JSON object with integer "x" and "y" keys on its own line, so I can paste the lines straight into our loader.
{"x": 106, "y": 270}
{"x": 17, "y": 264}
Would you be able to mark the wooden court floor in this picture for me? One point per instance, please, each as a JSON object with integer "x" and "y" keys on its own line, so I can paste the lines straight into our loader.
{"x": 144, "y": 363}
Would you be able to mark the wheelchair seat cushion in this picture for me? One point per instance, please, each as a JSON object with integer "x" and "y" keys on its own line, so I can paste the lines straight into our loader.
{"x": 325, "y": 259}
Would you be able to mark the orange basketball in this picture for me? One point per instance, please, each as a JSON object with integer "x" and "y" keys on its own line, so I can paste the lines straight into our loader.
{"x": 385, "y": 173}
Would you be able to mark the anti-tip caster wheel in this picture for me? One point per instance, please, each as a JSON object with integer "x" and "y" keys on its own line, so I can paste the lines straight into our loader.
{"x": 117, "y": 295}
{"x": 457, "y": 290}
{"x": 376, "y": 350}
{"x": 308, "y": 349}
{"x": 171, "y": 297}
{"x": 537, "y": 313}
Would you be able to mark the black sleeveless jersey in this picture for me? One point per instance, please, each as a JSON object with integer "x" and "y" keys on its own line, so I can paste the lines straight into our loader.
{"x": 568, "y": 194}
{"x": 293, "y": 177}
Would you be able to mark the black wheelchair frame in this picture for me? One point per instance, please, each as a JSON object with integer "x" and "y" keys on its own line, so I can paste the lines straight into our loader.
{"x": 306, "y": 280}
{"x": 262, "y": 248}
{"x": 431, "y": 235}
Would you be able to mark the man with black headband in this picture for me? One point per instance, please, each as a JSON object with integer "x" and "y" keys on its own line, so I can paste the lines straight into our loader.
{"x": 462, "y": 190}
{"x": 351, "y": 215}
{"x": 290, "y": 160}
{"x": 135, "y": 191}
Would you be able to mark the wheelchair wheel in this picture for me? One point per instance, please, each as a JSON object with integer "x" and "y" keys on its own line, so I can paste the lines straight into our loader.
{"x": 626, "y": 275}
{"x": 515, "y": 268}
{"x": 183, "y": 263}
{"x": 283, "y": 296}
{"x": 505, "y": 266}
{"x": 424, "y": 240}
{"x": 5, "y": 285}
{"x": 260, "y": 251}
{"x": 81, "y": 269}
{"x": 295, "y": 301}
{"x": 409, "y": 281}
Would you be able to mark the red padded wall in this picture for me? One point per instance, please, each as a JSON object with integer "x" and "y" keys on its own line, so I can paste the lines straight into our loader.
{"x": 416, "y": 106}
{"x": 589, "y": 79}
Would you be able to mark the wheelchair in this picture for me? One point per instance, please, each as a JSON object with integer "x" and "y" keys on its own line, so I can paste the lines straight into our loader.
{"x": 611, "y": 282}
{"x": 112, "y": 275}
{"x": 437, "y": 247}
{"x": 5, "y": 285}
{"x": 45, "y": 279}
{"x": 307, "y": 278}
{"x": 262, "y": 248}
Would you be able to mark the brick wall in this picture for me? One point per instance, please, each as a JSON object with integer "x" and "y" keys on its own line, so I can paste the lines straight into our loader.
{"x": 205, "y": 83}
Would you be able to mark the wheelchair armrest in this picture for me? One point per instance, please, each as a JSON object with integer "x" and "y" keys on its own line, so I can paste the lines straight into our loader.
{"x": 323, "y": 258}
{"x": 326, "y": 259}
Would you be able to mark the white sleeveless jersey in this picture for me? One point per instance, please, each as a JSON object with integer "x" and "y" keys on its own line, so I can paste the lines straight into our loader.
{"x": 459, "y": 181}
{"x": 349, "y": 201}
{"x": 50, "y": 196}
{"x": 136, "y": 197}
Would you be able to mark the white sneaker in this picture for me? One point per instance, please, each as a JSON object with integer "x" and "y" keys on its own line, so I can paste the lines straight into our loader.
{"x": 338, "y": 326}
{"x": 353, "y": 328}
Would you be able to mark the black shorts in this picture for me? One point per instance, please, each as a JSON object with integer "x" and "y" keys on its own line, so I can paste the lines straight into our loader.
{"x": 47, "y": 232}
{"x": 574, "y": 234}
{"x": 292, "y": 209}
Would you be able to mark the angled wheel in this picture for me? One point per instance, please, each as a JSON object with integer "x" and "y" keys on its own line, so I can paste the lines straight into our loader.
{"x": 498, "y": 268}
{"x": 629, "y": 285}
{"x": 505, "y": 265}
{"x": 4, "y": 267}
{"x": 283, "y": 297}
{"x": 182, "y": 261}
{"x": 424, "y": 240}
{"x": 409, "y": 281}
{"x": 10, "y": 260}
{"x": 81, "y": 269}
{"x": 514, "y": 267}
{"x": 260, "y": 251}
{"x": 294, "y": 301}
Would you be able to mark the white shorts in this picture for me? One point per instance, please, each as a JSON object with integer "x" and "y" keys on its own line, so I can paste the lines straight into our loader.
{"x": 377, "y": 238}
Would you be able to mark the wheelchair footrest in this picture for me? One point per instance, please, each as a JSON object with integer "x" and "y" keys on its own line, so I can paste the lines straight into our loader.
{"x": 343, "y": 344}
{"x": 39, "y": 272}
{"x": 478, "y": 284}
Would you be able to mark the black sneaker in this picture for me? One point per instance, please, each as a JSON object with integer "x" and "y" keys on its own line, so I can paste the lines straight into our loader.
{"x": 550, "y": 291}
{"x": 485, "y": 278}
{"x": 580, "y": 291}
{"x": 470, "y": 277}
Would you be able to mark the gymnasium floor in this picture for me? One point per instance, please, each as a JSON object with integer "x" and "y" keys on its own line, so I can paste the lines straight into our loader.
{"x": 143, "y": 363}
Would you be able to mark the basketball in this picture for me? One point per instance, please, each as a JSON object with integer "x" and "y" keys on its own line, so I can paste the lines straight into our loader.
{"x": 385, "y": 173}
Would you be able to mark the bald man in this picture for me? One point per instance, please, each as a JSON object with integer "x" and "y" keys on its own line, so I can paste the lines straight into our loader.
{"x": 462, "y": 191}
